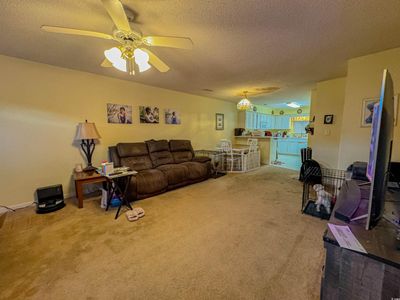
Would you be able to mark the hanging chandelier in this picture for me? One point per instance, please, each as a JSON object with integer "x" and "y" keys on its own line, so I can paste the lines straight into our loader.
{"x": 245, "y": 103}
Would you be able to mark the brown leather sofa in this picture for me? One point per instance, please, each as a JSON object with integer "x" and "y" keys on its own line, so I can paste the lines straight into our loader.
{"x": 161, "y": 166}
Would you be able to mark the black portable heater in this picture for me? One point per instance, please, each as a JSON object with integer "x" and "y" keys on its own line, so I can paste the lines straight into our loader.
{"x": 49, "y": 198}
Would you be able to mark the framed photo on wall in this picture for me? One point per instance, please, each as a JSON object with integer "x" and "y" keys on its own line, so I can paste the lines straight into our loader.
{"x": 149, "y": 114}
{"x": 367, "y": 111}
{"x": 172, "y": 116}
{"x": 219, "y": 121}
{"x": 119, "y": 113}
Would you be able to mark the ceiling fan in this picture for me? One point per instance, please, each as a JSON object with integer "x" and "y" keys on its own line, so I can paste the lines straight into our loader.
{"x": 132, "y": 45}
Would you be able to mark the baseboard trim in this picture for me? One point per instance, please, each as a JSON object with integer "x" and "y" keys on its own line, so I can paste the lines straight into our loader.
{"x": 15, "y": 207}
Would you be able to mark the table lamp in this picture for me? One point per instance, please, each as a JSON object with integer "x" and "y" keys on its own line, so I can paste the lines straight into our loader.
{"x": 87, "y": 133}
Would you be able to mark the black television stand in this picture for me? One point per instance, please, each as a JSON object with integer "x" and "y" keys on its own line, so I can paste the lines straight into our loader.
{"x": 353, "y": 275}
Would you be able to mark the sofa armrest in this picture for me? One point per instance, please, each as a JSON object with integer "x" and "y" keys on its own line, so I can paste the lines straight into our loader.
{"x": 114, "y": 157}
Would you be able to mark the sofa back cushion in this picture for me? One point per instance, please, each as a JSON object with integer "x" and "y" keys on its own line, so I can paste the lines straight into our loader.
{"x": 159, "y": 152}
{"x": 134, "y": 156}
{"x": 182, "y": 150}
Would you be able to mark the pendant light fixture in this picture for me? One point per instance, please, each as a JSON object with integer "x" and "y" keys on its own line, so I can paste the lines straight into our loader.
{"x": 245, "y": 103}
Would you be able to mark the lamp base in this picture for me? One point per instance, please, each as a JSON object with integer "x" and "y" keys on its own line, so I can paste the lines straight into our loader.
{"x": 89, "y": 169}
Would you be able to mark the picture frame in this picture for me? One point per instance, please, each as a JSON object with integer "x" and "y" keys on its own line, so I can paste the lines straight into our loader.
{"x": 172, "y": 116}
{"x": 367, "y": 102}
{"x": 119, "y": 113}
{"x": 328, "y": 119}
{"x": 149, "y": 115}
{"x": 219, "y": 121}
{"x": 367, "y": 111}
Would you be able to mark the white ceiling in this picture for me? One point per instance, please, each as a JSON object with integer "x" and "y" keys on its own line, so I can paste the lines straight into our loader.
{"x": 239, "y": 45}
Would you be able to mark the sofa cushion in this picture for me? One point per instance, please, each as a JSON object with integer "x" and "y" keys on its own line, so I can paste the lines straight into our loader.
{"x": 175, "y": 173}
{"x": 150, "y": 181}
{"x": 132, "y": 149}
{"x": 159, "y": 152}
{"x": 137, "y": 163}
{"x": 156, "y": 146}
{"x": 182, "y": 156}
{"x": 181, "y": 150}
{"x": 180, "y": 145}
{"x": 196, "y": 170}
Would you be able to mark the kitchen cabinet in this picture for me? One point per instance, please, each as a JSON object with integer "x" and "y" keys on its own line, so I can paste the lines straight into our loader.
{"x": 282, "y": 122}
{"x": 250, "y": 120}
{"x": 261, "y": 121}
{"x": 290, "y": 146}
{"x": 270, "y": 119}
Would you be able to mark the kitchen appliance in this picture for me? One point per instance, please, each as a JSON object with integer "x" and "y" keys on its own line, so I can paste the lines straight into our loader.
{"x": 239, "y": 131}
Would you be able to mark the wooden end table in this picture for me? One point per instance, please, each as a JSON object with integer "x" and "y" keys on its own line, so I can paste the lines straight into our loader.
{"x": 82, "y": 178}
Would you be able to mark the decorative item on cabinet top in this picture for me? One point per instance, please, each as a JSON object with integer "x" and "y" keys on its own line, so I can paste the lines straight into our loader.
{"x": 310, "y": 126}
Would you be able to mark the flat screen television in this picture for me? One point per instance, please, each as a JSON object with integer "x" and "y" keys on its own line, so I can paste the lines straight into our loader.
{"x": 380, "y": 150}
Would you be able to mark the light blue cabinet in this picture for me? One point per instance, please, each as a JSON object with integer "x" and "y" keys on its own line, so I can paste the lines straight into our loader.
{"x": 291, "y": 146}
{"x": 255, "y": 120}
{"x": 270, "y": 119}
{"x": 250, "y": 120}
{"x": 282, "y": 122}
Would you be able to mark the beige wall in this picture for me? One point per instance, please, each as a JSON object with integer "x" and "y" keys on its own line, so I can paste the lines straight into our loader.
{"x": 41, "y": 105}
{"x": 327, "y": 99}
{"x": 364, "y": 78}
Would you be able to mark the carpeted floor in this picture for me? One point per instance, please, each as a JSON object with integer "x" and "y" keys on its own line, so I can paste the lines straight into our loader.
{"x": 240, "y": 236}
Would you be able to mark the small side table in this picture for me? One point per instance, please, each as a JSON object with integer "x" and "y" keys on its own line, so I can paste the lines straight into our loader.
{"x": 118, "y": 185}
{"x": 82, "y": 178}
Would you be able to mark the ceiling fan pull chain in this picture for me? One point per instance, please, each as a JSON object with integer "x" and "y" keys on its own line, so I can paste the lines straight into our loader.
{"x": 131, "y": 69}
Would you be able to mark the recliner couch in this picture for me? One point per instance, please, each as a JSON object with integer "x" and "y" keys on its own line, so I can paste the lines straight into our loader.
{"x": 161, "y": 166}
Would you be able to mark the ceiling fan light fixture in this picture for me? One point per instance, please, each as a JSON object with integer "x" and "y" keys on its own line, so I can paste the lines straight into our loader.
{"x": 142, "y": 60}
{"x": 120, "y": 65}
{"x": 143, "y": 67}
{"x": 114, "y": 55}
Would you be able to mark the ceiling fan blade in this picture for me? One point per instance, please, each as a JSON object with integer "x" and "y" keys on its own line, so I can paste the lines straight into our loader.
{"x": 155, "y": 61}
{"x": 106, "y": 63}
{"x": 72, "y": 31}
{"x": 117, "y": 14}
{"x": 169, "y": 41}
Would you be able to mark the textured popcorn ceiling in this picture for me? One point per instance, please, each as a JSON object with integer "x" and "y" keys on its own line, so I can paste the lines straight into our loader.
{"x": 239, "y": 45}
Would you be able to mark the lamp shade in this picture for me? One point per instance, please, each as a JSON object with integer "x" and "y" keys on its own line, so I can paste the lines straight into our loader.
{"x": 87, "y": 131}
{"x": 244, "y": 104}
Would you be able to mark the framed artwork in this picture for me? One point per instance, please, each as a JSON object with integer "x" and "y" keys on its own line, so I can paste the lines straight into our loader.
{"x": 149, "y": 114}
{"x": 328, "y": 119}
{"x": 219, "y": 121}
{"x": 119, "y": 113}
{"x": 367, "y": 111}
{"x": 172, "y": 116}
